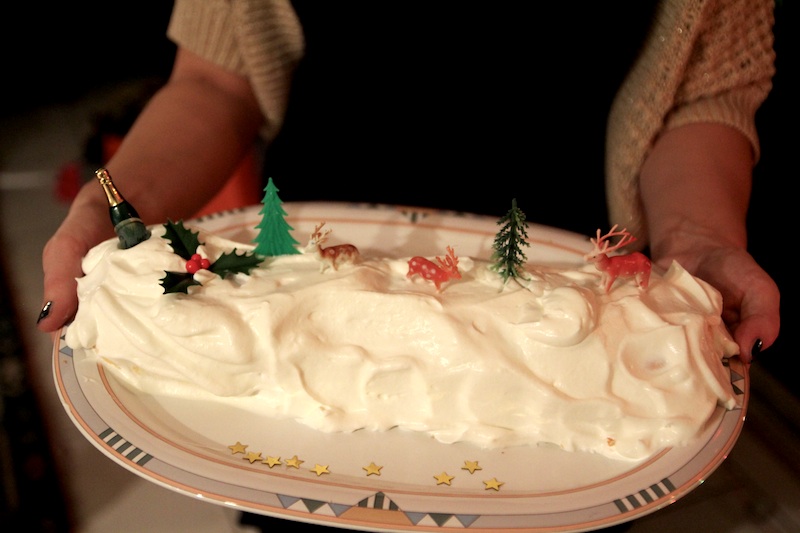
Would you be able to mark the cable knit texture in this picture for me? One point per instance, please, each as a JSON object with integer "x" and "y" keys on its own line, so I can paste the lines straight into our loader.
{"x": 257, "y": 39}
{"x": 703, "y": 61}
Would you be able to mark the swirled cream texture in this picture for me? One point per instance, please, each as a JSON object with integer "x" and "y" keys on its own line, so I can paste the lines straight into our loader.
{"x": 553, "y": 361}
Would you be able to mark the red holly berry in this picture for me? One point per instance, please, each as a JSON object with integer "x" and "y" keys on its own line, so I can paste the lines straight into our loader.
{"x": 192, "y": 266}
{"x": 197, "y": 262}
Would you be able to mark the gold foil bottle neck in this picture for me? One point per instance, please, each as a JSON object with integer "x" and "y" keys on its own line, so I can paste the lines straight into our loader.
{"x": 113, "y": 195}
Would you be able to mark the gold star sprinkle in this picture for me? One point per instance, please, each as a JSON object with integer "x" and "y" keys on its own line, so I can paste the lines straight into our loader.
{"x": 271, "y": 461}
{"x": 472, "y": 466}
{"x": 493, "y": 484}
{"x": 372, "y": 468}
{"x": 320, "y": 469}
{"x": 443, "y": 478}
{"x": 252, "y": 457}
{"x": 294, "y": 462}
{"x": 238, "y": 447}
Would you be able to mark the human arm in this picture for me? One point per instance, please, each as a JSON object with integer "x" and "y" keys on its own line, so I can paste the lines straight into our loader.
{"x": 681, "y": 147}
{"x": 695, "y": 188}
{"x": 180, "y": 151}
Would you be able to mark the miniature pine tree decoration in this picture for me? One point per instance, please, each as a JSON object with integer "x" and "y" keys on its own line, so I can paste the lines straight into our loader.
{"x": 273, "y": 231}
{"x": 508, "y": 255}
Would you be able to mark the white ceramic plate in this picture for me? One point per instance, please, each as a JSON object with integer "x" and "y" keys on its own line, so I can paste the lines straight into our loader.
{"x": 390, "y": 481}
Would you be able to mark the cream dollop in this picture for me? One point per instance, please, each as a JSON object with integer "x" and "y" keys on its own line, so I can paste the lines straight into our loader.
{"x": 551, "y": 360}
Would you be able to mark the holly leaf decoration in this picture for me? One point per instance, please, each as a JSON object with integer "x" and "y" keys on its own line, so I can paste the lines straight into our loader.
{"x": 184, "y": 242}
{"x": 233, "y": 263}
{"x": 178, "y": 282}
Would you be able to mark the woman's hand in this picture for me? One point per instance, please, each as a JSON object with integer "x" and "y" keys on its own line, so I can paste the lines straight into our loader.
{"x": 182, "y": 148}
{"x": 750, "y": 297}
{"x": 86, "y": 225}
{"x": 695, "y": 187}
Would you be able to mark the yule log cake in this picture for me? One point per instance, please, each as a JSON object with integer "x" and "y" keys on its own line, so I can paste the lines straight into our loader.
{"x": 495, "y": 351}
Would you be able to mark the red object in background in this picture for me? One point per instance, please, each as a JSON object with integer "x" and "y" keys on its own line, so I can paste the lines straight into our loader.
{"x": 69, "y": 181}
{"x": 110, "y": 144}
{"x": 243, "y": 188}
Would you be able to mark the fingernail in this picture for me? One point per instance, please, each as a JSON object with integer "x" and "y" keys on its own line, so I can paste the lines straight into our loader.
{"x": 44, "y": 312}
{"x": 756, "y": 350}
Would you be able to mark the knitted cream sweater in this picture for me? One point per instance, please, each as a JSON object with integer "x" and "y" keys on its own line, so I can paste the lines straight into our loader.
{"x": 703, "y": 61}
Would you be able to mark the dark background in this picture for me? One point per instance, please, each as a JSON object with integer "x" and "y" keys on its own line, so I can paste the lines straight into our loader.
{"x": 774, "y": 205}
{"x": 59, "y": 53}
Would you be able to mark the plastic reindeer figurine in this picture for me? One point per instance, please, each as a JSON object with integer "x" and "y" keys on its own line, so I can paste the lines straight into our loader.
{"x": 634, "y": 265}
{"x": 332, "y": 256}
{"x": 446, "y": 269}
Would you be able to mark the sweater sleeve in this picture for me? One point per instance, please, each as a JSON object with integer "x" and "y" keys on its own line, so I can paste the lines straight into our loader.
{"x": 261, "y": 40}
{"x": 707, "y": 61}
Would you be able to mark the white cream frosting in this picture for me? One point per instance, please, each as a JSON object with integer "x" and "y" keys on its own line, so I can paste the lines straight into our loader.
{"x": 556, "y": 361}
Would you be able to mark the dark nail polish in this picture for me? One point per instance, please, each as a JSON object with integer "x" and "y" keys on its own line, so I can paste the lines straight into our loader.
{"x": 756, "y": 350}
{"x": 44, "y": 312}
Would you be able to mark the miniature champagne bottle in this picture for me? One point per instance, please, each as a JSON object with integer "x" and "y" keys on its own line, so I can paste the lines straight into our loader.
{"x": 127, "y": 225}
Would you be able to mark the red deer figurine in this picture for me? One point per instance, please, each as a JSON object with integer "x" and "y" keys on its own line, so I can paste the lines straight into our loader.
{"x": 635, "y": 265}
{"x": 332, "y": 256}
{"x": 446, "y": 270}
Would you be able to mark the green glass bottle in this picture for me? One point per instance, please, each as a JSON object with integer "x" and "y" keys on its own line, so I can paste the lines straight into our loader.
{"x": 127, "y": 225}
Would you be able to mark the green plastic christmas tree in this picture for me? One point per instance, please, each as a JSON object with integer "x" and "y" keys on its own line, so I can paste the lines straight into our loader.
{"x": 274, "y": 237}
{"x": 508, "y": 255}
